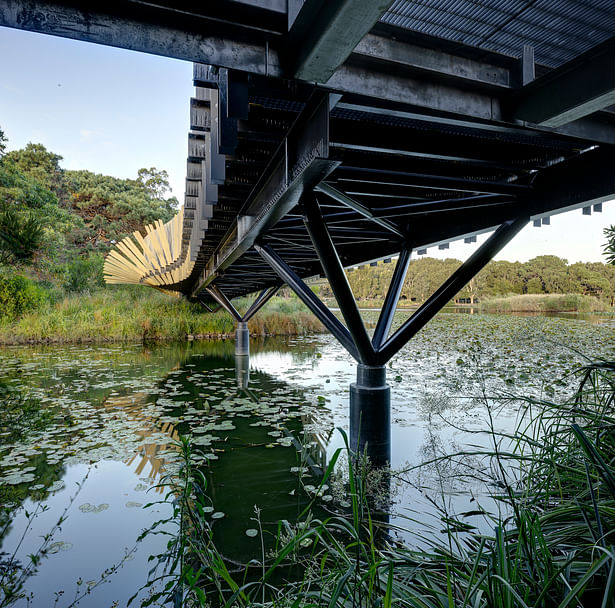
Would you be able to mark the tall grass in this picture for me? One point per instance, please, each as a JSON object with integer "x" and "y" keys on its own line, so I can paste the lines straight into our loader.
{"x": 544, "y": 303}
{"x": 551, "y": 542}
{"x": 129, "y": 314}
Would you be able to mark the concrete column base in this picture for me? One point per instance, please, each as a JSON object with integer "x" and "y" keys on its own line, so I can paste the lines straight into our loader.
{"x": 242, "y": 339}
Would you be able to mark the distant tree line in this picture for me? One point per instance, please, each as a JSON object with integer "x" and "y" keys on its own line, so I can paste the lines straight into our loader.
{"x": 546, "y": 274}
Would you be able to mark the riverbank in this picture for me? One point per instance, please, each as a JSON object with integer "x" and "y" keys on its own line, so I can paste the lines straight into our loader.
{"x": 131, "y": 315}
{"x": 544, "y": 303}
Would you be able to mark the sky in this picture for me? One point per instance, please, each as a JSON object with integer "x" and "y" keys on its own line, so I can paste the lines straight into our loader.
{"x": 113, "y": 111}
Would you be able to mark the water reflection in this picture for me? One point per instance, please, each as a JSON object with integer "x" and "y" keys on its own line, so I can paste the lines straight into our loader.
{"x": 127, "y": 406}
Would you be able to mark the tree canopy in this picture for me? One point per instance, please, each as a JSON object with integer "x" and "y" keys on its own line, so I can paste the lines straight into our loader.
{"x": 52, "y": 217}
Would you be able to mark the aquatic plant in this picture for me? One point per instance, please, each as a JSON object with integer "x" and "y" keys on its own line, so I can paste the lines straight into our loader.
{"x": 21, "y": 413}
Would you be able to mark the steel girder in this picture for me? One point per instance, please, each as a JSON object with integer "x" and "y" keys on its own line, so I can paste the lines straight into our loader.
{"x": 387, "y": 66}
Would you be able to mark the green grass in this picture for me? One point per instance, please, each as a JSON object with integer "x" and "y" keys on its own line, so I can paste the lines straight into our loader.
{"x": 131, "y": 314}
{"x": 544, "y": 303}
{"x": 551, "y": 543}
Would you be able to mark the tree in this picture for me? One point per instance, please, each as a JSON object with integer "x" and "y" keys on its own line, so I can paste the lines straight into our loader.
{"x": 39, "y": 164}
{"x": 156, "y": 183}
{"x": 3, "y": 141}
{"x": 609, "y": 246}
{"x": 112, "y": 207}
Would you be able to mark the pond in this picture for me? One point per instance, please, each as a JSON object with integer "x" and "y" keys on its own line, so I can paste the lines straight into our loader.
{"x": 261, "y": 435}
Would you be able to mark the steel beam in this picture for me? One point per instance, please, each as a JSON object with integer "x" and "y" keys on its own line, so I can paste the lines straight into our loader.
{"x": 589, "y": 178}
{"x": 369, "y": 180}
{"x": 390, "y": 302}
{"x": 209, "y": 308}
{"x": 299, "y": 164}
{"x": 325, "y": 32}
{"x": 449, "y": 288}
{"x": 307, "y": 296}
{"x": 338, "y": 281}
{"x": 384, "y": 69}
{"x": 580, "y": 87}
{"x": 262, "y": 299}
{"x": 346, "y": 200}
{"x": 148, "y": 28}
{"x": 404, "y": 56}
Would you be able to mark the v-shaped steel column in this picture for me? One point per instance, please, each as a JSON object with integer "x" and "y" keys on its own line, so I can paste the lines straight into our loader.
{"x": 242, "y": 334}
{"x": 370, "y": 395}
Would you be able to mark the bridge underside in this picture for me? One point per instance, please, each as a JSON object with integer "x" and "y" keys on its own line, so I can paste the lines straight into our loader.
{"x": 331, "y": 133}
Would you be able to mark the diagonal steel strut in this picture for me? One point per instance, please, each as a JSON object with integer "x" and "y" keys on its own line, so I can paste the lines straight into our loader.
{"x": 307, "y": 296}
{"x": 263, "y": 297}
{"x": 450, "y": 287}
{"x": 332, "y": 265}
{"x": 390, "y": 302}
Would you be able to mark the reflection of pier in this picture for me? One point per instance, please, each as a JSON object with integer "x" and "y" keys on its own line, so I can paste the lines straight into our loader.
{"x": 314, "y": 452}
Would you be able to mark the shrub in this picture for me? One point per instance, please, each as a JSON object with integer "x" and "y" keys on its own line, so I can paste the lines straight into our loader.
{"x": 84, "y": 274}
{"x": 20, "y": 236}
{"x": 18, "y": 295}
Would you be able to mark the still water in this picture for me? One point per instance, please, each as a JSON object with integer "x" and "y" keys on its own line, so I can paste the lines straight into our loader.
{"x": 262, "y": 431}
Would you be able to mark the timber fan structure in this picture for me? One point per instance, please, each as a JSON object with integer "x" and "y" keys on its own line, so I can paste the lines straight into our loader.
{"x": 154, "y": 259}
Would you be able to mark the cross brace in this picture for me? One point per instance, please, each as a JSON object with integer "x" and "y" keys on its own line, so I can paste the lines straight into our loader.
{"x": 263, "y": 297}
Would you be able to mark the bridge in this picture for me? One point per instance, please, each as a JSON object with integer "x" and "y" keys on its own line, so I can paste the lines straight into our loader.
{"x": 330, "y": 133}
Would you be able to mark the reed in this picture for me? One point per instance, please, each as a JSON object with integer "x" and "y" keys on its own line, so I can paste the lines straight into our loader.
{"x": 544, "y": 303}
{"x": 132, "y": 314}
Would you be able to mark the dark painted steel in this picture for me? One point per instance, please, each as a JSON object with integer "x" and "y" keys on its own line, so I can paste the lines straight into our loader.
{"x": 307, "y": 296}
{"x": 577, "y": 88}
{"x": 346, "y": 200}
{"x": 325, "y": 32}
{"x": 160, "y": 30}
{"x": 215, "y": 293}
{"x": 338, "y": 281}
{"x": 386, "y": 66}
{"x": 361, "y": 177}
{"x": 298, "y": 165}
{"x": 557, "y": 29}
{"x": 370, "y": 414}
{"x": 392, "y": 298}
{"x": 456, "y": 281}
{"x": 260, "y": 301}
{"x": 263, "y": 297}
{"x": 208, "y": 307}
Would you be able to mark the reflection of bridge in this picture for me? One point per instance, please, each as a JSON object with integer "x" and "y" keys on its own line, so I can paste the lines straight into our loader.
{"x": 327, "y": 133}
{"x": 148, "y": 453}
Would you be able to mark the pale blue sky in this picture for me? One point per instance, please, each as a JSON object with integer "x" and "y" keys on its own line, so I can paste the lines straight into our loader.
{"x": 113, "y": 111}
